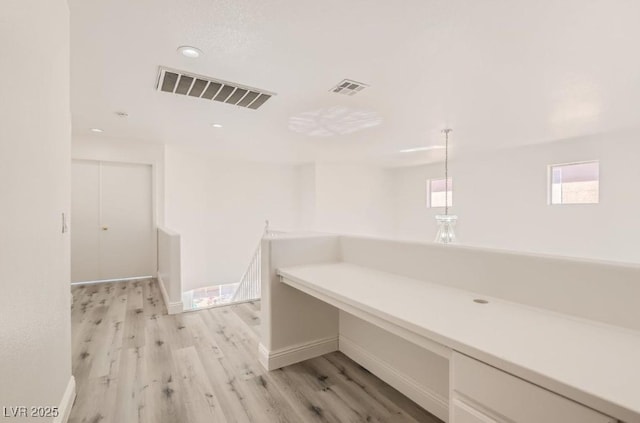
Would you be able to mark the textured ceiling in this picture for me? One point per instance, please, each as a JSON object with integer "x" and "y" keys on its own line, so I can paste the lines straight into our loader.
{"x": 501, "y": 73}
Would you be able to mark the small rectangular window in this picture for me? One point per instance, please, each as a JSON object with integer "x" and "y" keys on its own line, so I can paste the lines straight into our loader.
{"x": 436, "y": 193}
{"x": 574, "y": 183}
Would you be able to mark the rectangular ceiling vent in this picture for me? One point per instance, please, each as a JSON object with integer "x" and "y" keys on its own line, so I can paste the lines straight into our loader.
{"x": 183, "y": 83}
{"x": 349, "y": 87}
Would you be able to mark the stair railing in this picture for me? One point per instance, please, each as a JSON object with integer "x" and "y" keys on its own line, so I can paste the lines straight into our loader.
{"x": 250, "y": 285}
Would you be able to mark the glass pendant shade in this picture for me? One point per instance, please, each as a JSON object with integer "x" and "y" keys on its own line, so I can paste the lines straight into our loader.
{"x": 446, "y": 222}
{"x": 446, "y": 228}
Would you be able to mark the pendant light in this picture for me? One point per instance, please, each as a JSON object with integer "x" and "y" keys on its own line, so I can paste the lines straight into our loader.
{"x": 446, "y": 222}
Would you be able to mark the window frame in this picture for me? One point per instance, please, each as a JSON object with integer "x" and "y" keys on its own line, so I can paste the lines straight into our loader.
{"x": 428, "y": 191}
{"x": 550, "y": 182}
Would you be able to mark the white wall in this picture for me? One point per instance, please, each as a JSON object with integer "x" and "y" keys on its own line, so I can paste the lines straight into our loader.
{"x": 501, "y": 200}
{"x": 35, "y": 333}
{"x": 219, "y": 209}
{"x": 500, "y": 196}
{"x": 101, "y": 147}
{"x": 353, "y": 199}
{"x": 306, "y": 196}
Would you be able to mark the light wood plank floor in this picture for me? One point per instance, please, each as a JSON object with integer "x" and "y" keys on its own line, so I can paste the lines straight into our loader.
{"x": 134, "y": 363}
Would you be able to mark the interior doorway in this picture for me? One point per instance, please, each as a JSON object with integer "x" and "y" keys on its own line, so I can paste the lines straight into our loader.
{"x": 111, "y": 221}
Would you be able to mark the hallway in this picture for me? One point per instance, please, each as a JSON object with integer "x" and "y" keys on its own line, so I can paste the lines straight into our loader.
{"x": 133, "y": 363}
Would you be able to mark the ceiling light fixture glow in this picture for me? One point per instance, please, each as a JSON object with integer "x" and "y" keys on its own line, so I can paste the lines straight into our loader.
{"x": 333, "y": 121}
{"x": 414, "y": 150}
{"x": 96, "y": 130}
{"x": 216, "y": 125}
{"x": 190, "y": 52}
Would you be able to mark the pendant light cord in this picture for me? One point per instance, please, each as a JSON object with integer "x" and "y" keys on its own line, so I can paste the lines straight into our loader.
{"x": 446, "y": 170}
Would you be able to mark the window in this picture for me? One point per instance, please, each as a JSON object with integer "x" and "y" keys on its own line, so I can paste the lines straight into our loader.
{"x": 574, "y": 183}
{"x": 436, "y": 193}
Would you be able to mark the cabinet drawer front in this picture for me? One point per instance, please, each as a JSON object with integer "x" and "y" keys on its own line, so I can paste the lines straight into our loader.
{"x": 463, "y": 413}
{"x": 515, "y": 398}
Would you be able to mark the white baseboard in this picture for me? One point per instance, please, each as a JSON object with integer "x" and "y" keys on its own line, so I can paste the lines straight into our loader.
{"x": 431, "y": 401}
{"x": 66, "y": 402}
{"x": 172, "y": 308}
{"x": 272, "y": 360}
{"x": 101, "y": 281}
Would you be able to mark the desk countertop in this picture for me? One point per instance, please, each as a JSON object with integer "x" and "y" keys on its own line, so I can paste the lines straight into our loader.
{"x": 590, "y": 362}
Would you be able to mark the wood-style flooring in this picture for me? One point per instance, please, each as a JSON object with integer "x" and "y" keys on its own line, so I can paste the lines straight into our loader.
{"x": 134, "y": 363}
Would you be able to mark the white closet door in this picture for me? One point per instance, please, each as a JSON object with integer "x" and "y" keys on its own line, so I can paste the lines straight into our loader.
{"x": 121, "y": 222}
{"x": 126, "y": 216}
{"x": 85, "y": 221}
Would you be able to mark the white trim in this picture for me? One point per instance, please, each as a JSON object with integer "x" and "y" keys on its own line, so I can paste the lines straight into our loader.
{"x": 423, "y": 396}
{"x": 167, "y": 231}
{"x": 66, "y": 402}
{"x": 172, "y": 308}
{"x": 272, "y": 360}
{"x": 135, "y": 278}
{"x": 263, "y": 356}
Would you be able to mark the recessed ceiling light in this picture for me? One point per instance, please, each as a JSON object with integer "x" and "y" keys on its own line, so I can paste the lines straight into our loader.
{"x": 96, "y": 130}
{"x": 190, "y": 52}
{"x": 216, "y": 125}
{"x": 431, "y": 147}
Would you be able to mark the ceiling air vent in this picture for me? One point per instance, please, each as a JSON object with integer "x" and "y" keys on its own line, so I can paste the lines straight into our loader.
{"x": 349, "y": 87}
{"x": 183, "y": 83}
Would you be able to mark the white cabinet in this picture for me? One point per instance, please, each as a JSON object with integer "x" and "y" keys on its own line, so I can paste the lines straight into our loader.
{"x": 483, "y": 394}
{"x": 464, "y": 413}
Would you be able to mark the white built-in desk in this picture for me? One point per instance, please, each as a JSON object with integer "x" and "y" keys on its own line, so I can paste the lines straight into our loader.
{"x": 594, "y": 364}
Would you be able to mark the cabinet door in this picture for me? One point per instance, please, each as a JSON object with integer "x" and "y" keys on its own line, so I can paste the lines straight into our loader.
{"x": 464, "y": 413}
{"x": 502, "y": 394}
